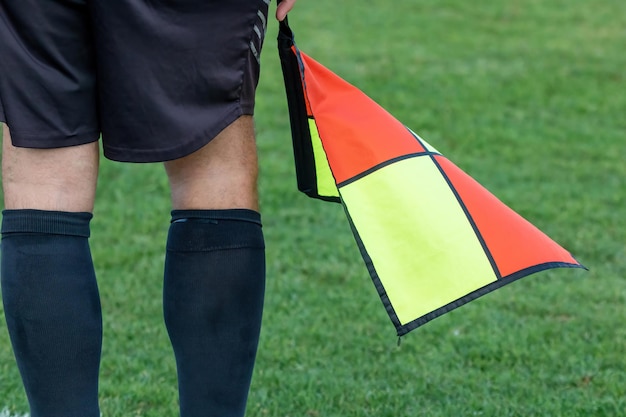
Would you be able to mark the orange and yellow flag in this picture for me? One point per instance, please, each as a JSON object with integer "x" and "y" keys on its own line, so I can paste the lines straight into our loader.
{"x": 432, "y": 237}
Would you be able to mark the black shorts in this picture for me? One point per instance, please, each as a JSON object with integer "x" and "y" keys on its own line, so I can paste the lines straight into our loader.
{"x": 157, "y": 78}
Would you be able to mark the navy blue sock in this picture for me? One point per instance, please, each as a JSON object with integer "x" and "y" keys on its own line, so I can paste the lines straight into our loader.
{"x": 213, "y": 301}
{"x": 52, "y": 310}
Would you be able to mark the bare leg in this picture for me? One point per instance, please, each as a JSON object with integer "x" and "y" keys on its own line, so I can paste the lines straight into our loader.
{"x": 62, "y": 179}
{"x": 221, "y": 175}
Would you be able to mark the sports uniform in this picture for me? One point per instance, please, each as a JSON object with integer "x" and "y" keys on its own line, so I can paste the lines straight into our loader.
{"x": 159, "y": 79}
{"x": 156, "y": 80}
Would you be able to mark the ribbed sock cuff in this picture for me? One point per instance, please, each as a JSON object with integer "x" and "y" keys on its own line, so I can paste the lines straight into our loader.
{"x": 210, "y": 230}
{"x": 46, "y": 222}
{"x": 228, "y": 214}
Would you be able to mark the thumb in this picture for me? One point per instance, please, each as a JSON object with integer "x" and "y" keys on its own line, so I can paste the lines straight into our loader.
{"x": 283, "y": 8}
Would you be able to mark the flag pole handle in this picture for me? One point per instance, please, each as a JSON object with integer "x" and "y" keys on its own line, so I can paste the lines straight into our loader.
{"x": 284, "y": 24}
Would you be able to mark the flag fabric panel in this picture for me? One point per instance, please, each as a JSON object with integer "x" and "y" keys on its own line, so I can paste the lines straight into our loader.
{"x": 432, "y": 237}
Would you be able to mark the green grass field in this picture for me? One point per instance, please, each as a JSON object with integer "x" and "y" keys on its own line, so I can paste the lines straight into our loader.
{"x": 529, "y": 98}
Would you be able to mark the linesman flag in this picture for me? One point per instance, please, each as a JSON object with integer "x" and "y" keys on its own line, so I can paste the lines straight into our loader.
{"x": 432, "y": 238}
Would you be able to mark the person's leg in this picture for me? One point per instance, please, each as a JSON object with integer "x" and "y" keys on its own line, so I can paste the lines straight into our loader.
{"x": 221, "y": 175}
{"x": 49, "y": 289}
{"x": 62, "y": 179}
{"x": 215, "y": 273}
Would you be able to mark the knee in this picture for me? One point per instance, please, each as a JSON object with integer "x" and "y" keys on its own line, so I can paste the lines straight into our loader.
{"x": 61, "y": 179}
{"x": 223, "y": 174}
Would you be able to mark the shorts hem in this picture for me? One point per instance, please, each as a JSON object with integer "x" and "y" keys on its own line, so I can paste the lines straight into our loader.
{"x": 22, "y": 140}
{"x": 179, "y": 151}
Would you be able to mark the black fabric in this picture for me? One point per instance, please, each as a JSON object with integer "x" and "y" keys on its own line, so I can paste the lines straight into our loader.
{"x": 40, "y": 221}
{"x": 304, "y": 158}
{"x": 213, "y": 301}
{"x": 52, "y": 310}
{"x": 300, "y": 132}
{"x": 171, "y": 75}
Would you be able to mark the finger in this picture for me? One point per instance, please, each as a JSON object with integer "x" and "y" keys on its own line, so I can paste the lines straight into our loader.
{"x": 283, "y": 8}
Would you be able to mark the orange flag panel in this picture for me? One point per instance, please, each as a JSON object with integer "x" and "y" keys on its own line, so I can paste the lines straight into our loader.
{"x": 349, "y": 117}
{"x": 514, "y": 243}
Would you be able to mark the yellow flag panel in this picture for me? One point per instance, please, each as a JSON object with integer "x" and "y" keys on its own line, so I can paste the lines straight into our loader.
{"x": 441, "y": 258}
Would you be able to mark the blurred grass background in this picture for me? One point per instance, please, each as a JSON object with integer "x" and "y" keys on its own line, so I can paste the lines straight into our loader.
{"x": 526, "y": 96}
